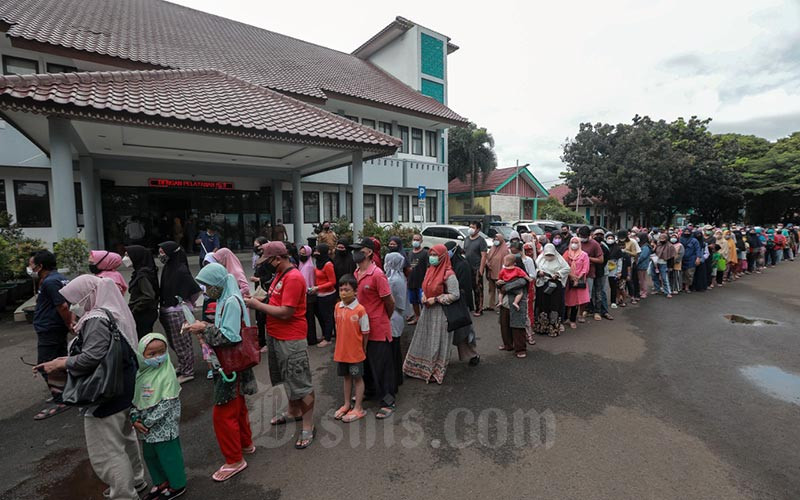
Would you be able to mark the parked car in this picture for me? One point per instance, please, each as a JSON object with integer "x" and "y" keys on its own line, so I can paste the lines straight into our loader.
{"x": 528, "y": 226}
{"x": 549, "y": 226}
{"x": 574, "y": 228}
{"x": 503, "y": 229}
{"x": 442, "y": 233}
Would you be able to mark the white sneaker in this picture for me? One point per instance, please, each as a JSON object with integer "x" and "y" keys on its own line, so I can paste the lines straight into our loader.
{"x": 210, "y": 375}
{"x": 185, "y": 378}
{"x": 613, "y": 306}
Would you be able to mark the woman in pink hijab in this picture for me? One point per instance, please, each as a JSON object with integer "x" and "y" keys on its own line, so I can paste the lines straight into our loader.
{"x": 104, "y": 265}
{"x": 227, "y": 258}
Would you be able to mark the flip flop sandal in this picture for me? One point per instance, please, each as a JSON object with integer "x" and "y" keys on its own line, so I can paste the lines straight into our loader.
{"x": 581, "y": 320}
{"x": 51, "y": 412}
{"x": 226, "y": 472}
{"x": 307, "y": 436}
{"x": 284, "y": 418}
{"x": 503, "y": 348}
{"x": 521, "y": 355}
{"x": 249, "y": 451}
{"x": 353, "y": 416}
{"x": 384, "y": 413}
{"x": 341, "y": 412}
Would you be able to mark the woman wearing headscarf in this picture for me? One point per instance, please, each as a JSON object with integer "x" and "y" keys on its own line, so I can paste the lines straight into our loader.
{"x": 343, "y": 259}
{"x": 575, "y": 297}
{"x": 464, "y": 337}
{"x": 105, "y": 264}
{"x": 643, "y": 263}
{"x": 325, "y": 290}
{"x": 110, "y": 438}
{"x": 732, "y": 256}
{"x": 306, "y": 267}
{"x": 754, "y": 247}
{"x": 230, "y": 262}
{"x": 394, "y": 265}
{"x": 177, "y": 286}
{"x": 429, "y": 352}
{"x": 143, "y": 287}
{"x": 231, "y": 422}
{"x": 494, "y": 263}
{"x": 676, "y": 273}
{"x": 396, "y": 245}
{"x": 665, "y": 257}
{"x": 551, "y": 278}
{"x": 700, "y": 281}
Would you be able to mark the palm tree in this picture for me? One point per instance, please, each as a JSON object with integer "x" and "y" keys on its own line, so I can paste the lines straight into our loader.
{"x": 470, "y": 150}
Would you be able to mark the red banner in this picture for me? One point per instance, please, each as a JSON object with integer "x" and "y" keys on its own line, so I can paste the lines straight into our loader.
{"x": 189, "y": 183}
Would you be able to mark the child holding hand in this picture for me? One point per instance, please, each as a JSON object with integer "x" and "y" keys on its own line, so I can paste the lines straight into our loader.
{"x": 352, "y": 332}
{"x": 155, "y": 415}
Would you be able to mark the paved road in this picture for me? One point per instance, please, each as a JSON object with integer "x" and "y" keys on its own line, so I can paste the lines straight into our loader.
{"x": 656, "y": 404}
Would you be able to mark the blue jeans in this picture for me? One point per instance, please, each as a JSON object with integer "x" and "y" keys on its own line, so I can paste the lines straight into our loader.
{"x": 599, "y": 299}
{"x": 661, "y": 278}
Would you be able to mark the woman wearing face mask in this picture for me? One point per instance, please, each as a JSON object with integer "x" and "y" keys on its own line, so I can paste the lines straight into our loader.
{"x": 308, "y": 270}
{"x": 429, "y": 352}
{"x": 613, "y": 267}
{"x": 343, "y": 259}
{"x": 143, "y": 287}
{"x": 494, "y": 263}
{"x": 325, "y": 291}
{"x": 551, "y": 278}
{"x": 396, "y": 245}
{"x": 675, "y": 274}
{"x": 700, "y": 281}
{"x": 733, "y": 255}
{"x": 230, "y": 262}
{"x": 464, "y": 337}
{"x": 177, "y": 286}
{"x": 664, "y": 259}
{"x": 110, "y": 438}
{"x": 642, "y": 264}
{"x": 105, "y": 264}
{"x": 393, "y": 263}
{"x": 576, "y": 297}
{"x": 231, "y": 422}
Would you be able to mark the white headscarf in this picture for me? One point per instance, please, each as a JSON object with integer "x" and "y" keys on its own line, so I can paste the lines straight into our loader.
{"x": 556, "y": 267}
{"x": 97, "y": 294}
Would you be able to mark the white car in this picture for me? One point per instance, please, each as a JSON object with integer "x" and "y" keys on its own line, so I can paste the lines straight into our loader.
{"x": 441, "y": 234}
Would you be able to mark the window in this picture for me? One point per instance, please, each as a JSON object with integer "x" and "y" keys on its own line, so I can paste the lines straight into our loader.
{"x": 369, "y": 207}
{"x": 385, "y": 127}
{"x": 368, "y": 123}
{"x": 430, "y": 209}
{"x": 404, "y": 138}
{"x": 3, "y": 205}
{"x": 19, "y": 66}
{"x": 78, "y": 204}
{"x": 60, "y": 68}
{"x": 415, "y": 210}
{"x": 416, "y": 141}
{"x": 330, "y": 206}
{"x": 387, "y": 214}
{"x": 33, "y": 203}
{"x": 310, "y": 207}
{"x": 430, "y": 143}
{"x": 286, "y": 205}
{"x": 352, "y": 118}
{"x": 402, "y": 208}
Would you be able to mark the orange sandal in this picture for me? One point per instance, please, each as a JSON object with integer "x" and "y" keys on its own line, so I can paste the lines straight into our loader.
{"x": 341, "y": 412}
{"x": 353, "y": 415}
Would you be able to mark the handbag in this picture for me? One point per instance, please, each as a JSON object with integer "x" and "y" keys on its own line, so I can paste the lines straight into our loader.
{"x": 106, "y": 381}
{"x": 580, "y": 284}
{"x": 457, "y": 314}
{"x": 240, "y": 355}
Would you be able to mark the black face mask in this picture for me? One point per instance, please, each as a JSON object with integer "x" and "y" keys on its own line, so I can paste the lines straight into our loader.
{"x": 93, "y": 267}
{"x": 392, "y": 248}
{"x": 303, "y": 258}
{"x": 257, "y": 250}
{"x": 341, "y": 252}
{"x": 359, "y": 256}
{"x": 268, "y": 268}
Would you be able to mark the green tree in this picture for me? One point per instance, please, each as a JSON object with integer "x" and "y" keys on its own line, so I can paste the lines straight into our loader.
{"x": 470, "y": 152}
{"x": 553, "y": 209}
{"x": 772, "y": 181}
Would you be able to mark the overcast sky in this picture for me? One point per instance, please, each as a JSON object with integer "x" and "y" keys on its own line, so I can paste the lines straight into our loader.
{"x": 530, "y": 72}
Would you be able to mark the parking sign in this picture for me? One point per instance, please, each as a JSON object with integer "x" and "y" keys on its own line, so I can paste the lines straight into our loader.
{"x": 422, "y": 192}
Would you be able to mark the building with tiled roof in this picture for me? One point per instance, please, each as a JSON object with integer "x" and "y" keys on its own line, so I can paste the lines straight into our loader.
{"x": 178, "y": 117}
{"x": 510, "y": 192}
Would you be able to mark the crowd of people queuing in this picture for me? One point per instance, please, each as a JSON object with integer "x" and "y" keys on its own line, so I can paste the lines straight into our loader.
{"x": 363, "y": 302}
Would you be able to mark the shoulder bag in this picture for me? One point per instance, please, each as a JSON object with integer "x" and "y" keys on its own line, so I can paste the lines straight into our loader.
{"x": 241, "y": 355}
{"x": 106, "y": 381}
{"x": 457, "y": 314}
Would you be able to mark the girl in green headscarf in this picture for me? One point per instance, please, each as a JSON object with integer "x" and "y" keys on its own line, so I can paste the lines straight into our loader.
{"x": 155, "y": 415}
{"x": 231, "y": 421}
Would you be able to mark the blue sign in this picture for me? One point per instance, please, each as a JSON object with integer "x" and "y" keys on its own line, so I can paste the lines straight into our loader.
{"x": 422, "y": 192}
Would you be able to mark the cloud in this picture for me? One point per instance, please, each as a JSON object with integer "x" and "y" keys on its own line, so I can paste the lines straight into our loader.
{"x": 771, "y": 127}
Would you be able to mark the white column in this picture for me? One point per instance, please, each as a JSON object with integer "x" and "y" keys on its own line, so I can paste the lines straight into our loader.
{"x": 446, "y": 207}
{"x": 88, "y": 199}
{"x": 297, "y": 208}
{"x": 277, "y": 200}
{"x": 62, "y": 179}
{"x": 395, "y": 204}
{"x": 358, "y": 194}
{"x": 98, "y": 211}
{"x": 343, "y": 202}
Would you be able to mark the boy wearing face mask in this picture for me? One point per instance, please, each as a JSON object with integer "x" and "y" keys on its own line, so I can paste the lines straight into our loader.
{"x": 155, "y": 415}
{"x": 52, "y": 318}
{"x": 375, "y": 294}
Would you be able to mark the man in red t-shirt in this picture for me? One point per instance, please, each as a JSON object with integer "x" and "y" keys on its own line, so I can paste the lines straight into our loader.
{"x": 287, "y": 346}
{"x": 375, "y": 295}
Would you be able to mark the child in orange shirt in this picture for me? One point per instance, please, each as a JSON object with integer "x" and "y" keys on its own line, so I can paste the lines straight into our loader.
{"x": 509, "y": 273}
{"x": 352, "y": 332}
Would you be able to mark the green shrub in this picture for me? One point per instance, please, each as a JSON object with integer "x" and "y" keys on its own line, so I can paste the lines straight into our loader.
{"x": 375, "y": 230}
{"x": 73, "y": 254}
{"x": 341, "y": 227}
{"x": 16, "y": 249}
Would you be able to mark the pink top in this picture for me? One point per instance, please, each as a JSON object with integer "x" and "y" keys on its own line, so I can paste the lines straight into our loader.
{"x": 578, "y": 266}
{"x": 108, "y": 262}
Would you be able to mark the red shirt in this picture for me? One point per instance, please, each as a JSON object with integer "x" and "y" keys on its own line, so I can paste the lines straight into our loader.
{"x": 594, "y": 250}
{"x": 325, "y": 279}
{"x": 372, "y": 288}
{"x": 288, "y": 289}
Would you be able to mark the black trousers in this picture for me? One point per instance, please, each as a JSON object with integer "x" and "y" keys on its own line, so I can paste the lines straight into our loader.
{"x": 323, "y": 309}
{"x": 145, "y": 321}
{"x": 311, "y": 332}
{"x": 261, "y": 323}
{"x": 379, "y": 373}
{"x": 613, "y": 286}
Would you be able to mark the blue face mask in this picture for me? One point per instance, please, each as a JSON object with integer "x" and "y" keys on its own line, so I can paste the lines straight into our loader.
{"x": 451, "y": 252}
{"x": 155, "y": 361}
{"x": 415, "y": 244}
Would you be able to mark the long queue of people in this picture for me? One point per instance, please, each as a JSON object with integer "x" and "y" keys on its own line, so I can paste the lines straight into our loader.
{"x": 362, "y": 302}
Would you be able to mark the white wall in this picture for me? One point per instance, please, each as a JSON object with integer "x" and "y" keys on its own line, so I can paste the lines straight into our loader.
{"x": 506, "y": 206}
{"x": 401, "y": 58}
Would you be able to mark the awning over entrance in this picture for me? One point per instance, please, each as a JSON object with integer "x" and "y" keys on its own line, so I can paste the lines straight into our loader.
{"x": 195, "y": 122}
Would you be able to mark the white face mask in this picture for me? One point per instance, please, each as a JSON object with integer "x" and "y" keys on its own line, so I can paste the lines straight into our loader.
{"x": 471, "y": 231}
{"x": 126, "y": 261}
{"x": 77, "y": 310}
{"x": 496, "y": 243}
{"x": 31, "y": 272}
{"x": 574, "y": 246}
